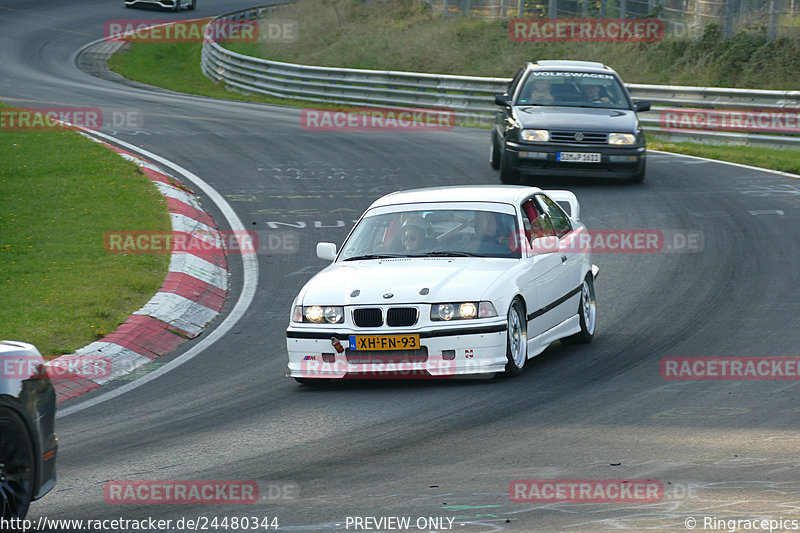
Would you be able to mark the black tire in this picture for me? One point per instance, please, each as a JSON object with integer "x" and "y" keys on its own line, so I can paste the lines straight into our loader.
{"x": 494, "y": 154}
{"x": 177, "y": 7}
{"x": 193, "y": 4}
{"x": 17, "y": 468}
{"x": 516, "y": 339}
{"x": 508, "y": 175}
{"x": 587, "y": 311}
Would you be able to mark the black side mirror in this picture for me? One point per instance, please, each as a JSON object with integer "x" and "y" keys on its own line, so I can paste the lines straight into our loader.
{"x": 501, "y": 99}
{"x": 641, "y": 106}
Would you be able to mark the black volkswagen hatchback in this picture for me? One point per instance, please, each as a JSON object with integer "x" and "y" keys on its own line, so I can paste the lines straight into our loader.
{"x": 568, "y": 118}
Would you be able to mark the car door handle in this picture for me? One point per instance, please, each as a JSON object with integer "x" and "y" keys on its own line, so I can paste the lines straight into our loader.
{"x": 563, "y": 258}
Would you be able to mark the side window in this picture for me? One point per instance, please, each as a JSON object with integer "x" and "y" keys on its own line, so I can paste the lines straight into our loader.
{"x": 559, "y": 220}
{"x": 515, "y": 82}
{"x": 536, "y": 221}
{"x": 526, "y": 91}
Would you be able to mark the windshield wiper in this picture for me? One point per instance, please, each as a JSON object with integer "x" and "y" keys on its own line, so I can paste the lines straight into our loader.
{"x": 373, "y": 256}
{"x": 449, "y": 254}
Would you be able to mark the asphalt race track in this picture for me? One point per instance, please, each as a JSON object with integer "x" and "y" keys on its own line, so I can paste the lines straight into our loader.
{"x": 721, "y": 449}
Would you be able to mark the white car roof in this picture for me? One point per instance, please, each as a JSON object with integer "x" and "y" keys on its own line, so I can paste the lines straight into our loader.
{"x": 509, "y": 194}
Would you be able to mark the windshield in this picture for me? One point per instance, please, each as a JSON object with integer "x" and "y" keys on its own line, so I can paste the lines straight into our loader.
{"x": 572, "y": 89}
{"x": 447, "y": 233}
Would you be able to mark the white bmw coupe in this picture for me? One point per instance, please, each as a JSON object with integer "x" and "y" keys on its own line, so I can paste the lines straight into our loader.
{"x": 443, "y": 282}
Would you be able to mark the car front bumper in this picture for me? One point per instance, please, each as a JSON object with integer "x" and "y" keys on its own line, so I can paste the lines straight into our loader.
{"x": 615, "y": 162}
{"x": 444, "y": 353}
{"x": 160, "y": 3}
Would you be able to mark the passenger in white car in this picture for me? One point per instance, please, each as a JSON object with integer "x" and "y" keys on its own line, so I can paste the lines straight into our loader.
{"x": 490, "y": 237}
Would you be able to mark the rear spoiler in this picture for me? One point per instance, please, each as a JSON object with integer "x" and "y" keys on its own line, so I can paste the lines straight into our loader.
{"x": 568, "y": 198}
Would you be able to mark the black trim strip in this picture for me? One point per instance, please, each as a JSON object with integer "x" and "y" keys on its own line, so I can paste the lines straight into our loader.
{"x": 422, "y": 334}
{"x": 316, "y": 335}
{"x": 463, "y": 331}
{"x": 555, "y": 304}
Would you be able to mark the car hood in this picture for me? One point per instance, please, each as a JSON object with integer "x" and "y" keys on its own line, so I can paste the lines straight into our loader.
{"x": 446, "y": 279}
{"x": 576, "y": 118}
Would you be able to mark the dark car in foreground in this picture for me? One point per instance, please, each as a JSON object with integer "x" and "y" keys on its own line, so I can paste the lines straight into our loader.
{"x": 568, "y": 118}
{"x": 28, "y": 442}
{"x": 174, "y": 5}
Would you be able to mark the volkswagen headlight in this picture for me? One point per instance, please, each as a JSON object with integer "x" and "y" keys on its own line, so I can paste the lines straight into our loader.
{"x": 621, "y": 138}
{"x": 541, "y": 136}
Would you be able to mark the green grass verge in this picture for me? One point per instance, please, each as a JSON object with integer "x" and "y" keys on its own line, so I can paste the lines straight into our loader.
{"x": 61, "y": 193}
{"x": 785, "y": 160}
{"x": 176, "y": 66}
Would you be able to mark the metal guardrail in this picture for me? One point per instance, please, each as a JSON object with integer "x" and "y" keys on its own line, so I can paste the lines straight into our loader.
{"x": 469, "y": 97}
{"x": 680, "y": 96}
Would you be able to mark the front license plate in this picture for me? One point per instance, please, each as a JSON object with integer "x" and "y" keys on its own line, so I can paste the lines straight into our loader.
{"x": 578, "y": 157}
{"x": 384, "y": 342}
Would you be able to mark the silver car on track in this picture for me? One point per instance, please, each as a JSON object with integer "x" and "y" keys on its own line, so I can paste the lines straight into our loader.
{"x": 174, "y": 5}
{"x": 28, "y": 442}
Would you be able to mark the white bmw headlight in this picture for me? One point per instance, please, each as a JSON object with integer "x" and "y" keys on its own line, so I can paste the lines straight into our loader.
{"x": 462, "y": 311}
{"x": 317, "y": 314}
{"x": 535, "y": 135}
{"x": 621, "y": 138}
{"x": 467, "y": 310}
{"x": 333, "y": 314}
{"x": 313, "y": 314}
{"x": 443, "y": 312}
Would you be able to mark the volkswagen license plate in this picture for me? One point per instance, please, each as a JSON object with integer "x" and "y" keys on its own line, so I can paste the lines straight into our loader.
{"x": 578, "y": 157}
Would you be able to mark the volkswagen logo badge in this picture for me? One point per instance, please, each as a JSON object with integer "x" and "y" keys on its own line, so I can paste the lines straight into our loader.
{"x": 579, "y": 136}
